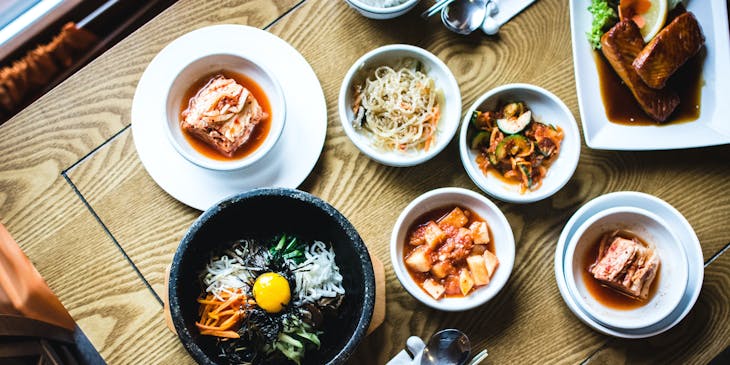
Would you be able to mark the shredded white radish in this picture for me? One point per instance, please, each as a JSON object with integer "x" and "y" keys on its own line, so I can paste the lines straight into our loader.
{"x": 225, "y": 275}
{"x": 318, "y": 275}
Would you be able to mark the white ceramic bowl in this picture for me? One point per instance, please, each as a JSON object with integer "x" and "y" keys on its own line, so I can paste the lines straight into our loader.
{"x": 376, "y": 12}
{"x": 504, "y": 244}
{"x": 673, "y": 268}
{"x": 547, "y": 108}
{"x": 444, "y": 80}
{"x": 206, "y": 65}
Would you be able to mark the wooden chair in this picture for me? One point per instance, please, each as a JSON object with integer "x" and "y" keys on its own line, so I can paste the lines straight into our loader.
{"x": 28, "y": 341}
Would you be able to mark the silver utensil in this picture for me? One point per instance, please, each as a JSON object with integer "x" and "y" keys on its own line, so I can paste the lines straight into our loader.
{"x": 464, "y": 16}
{"x": 479, "y": 357}
{"x": 435, "y": 8}
{"x": 447, "y": 347}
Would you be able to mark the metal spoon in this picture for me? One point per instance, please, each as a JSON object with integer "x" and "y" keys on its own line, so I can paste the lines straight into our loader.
{"x": 464, "y": 16}
{"x": 447, "y": 347}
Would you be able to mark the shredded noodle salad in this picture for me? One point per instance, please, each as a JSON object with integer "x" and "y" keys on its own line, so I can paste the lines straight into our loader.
{"x": 399, "y": 107}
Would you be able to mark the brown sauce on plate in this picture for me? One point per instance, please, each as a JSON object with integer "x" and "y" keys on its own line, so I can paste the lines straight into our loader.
{"x": 605, "y": 295}
{"x": 259, "y": 132}
{"x": 435, "y": 215}
{"x": 622, "y": 108}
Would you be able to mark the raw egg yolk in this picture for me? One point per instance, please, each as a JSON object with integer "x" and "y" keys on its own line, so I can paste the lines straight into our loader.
{"x": 271, "y": 292}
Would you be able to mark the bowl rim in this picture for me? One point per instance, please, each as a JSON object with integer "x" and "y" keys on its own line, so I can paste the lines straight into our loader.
{"x": 506, "y": 259}
{"x": 383, "y": 10}
{"x": 359, "y": 246}
{"x": 689, "y": 241}
{"x": 278, "y": 121}
{"x": 478, "y": 178}
{"x": 571, "y": 277}
{"x": 450, "y": 88}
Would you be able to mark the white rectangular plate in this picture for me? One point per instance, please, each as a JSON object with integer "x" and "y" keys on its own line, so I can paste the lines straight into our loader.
{"x": 713, "y": 125}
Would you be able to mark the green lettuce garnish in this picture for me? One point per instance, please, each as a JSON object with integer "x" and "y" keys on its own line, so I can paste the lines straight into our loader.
{"x": 604, "y": 17}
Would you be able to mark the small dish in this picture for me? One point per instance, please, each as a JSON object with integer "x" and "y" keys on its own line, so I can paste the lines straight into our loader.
{"x": 292, "y": 158}
{"x": 547, "y": 108}
{"x": 204, "y": 66}
{"x": 672, "y": 274}
{"x": 376, "y": 12}
{"x": 709, "y": 129}
{"x": 444, "y": 80}
{"x": 684, "y": 232}
{"x": 501, "y": 231}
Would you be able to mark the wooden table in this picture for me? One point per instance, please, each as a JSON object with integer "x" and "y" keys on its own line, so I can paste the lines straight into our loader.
{"x": 75, "y": 195}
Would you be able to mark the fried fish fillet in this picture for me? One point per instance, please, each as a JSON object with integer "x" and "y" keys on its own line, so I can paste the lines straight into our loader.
{"x": 669, "y": 50}
{"x": 621, "y": 44}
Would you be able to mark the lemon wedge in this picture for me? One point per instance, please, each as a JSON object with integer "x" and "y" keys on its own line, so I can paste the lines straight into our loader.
{"x": 654, "y": 19}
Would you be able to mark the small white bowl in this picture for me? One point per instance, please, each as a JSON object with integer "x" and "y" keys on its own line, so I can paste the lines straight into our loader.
{"x": 206, "y": 65}
{"x": 546, "y": 108}
{"x": 376, "y": 12}
{"x": 673, "y": 268}
{"x": 444, "y": 80}
{"x": 504, "y": 244}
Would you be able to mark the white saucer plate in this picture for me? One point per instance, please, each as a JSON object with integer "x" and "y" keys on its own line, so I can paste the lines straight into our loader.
{"x": 286, "y": 165}
{"x": 684, "y": 233}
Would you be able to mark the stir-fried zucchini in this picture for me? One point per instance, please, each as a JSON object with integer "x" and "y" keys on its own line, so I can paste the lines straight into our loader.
{"x": 513, "y": 145}
{"x": 481, "y": 138}
{"x": 492, "y": 158}
{"x": 514, "y": 125}
{"x": 528, "y": 173}
{"x": 514, "y": 109}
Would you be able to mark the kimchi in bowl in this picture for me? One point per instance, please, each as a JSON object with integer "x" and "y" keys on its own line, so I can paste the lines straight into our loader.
{"x": 220, "y": 137}
{"x": 606, "y": 301}
{"x": 502, "y": 245}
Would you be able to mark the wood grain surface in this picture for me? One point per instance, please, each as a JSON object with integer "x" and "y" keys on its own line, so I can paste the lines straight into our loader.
{"x": 99, "y": 287}
{"x": 526, "y": 323}
{"x": 81, "y": 263}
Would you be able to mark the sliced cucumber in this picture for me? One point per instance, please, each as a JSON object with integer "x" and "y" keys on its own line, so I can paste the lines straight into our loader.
{"x": 512, "y": 146}
{"x": 474, "y": 119}
{"x": 514, "y": 125}
{"x": 513, "y": 109}
{"x": 492, "y": 158}
{"x": 525, "y": 170}
{"x": 481, "y": 138}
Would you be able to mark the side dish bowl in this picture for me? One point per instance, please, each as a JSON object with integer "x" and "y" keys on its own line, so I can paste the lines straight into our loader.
{"x": 672, "y": 275}
{"x": 207, "y": 65}
{"x": 377, "y": 12}
{"x": 504, "y": 245}
{"x": 267, "y": 211}
{"x": 546, "y": 108}
{"x": 450, "y": 109}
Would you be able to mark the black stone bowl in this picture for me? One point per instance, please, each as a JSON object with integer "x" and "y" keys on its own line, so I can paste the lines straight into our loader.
{"x": 267, "y": 212}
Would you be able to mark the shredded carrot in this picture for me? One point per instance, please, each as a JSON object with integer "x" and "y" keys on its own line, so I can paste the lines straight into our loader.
{"x": 226, "y": 334}
{"x": 435, "y": 118}
{"x": 634, "y": 10}
{"x": 218, "y": 318}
